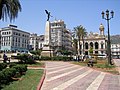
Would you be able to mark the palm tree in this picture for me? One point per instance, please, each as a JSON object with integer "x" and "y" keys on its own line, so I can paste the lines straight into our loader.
{"x": 83, "y": 35}
{"x": 9, "y": 8}
{"x": 75, "y": 45}
{"x": 80, "y": 33}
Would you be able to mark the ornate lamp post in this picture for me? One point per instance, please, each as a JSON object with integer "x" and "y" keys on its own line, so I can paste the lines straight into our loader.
{"x": 108, "y": 43}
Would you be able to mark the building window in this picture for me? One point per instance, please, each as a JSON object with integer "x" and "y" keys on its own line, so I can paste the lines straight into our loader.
{"x": 96, "y": 45}
{"x": 86, "y": 45}
{"x": 9, "y": 32}
{"x": 22, "y": 45}
{"x": 80, "y": 46}
{"x": 41, "y": 45}
{"x": 96, "y": 52}
{"x": 101, "y": 46}
{"x": 16, "y": 39}
{"x": 18, "y": 44}
{"x": 101, "y": 52}
{"x": 13, "y": 44}
{"x": 2, "y": 33}
{"x": 13, "y": 39}
{"x": 32, "y": 42}
{"x": 91, "y": 44}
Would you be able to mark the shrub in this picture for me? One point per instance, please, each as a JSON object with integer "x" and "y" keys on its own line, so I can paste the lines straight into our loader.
{"x": 20, "y": 68}
{"x": 36, "y": 57}
{"x": 45, "y": 58}
{"x": 26, "y": 58}
{"x": 8, "y": 73}
{"x": 1, "y": 77}
{"x": 57, "y": 58}
{"x": 12, "y": 64}
{"x": 3, "y": 65}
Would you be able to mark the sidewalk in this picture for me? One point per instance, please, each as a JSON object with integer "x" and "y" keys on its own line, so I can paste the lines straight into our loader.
{"x": 66, "y": 76}
{"x": 117, "y": 63}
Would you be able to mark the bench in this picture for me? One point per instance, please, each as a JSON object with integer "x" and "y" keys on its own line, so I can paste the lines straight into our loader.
{"x": 90, "y": 63}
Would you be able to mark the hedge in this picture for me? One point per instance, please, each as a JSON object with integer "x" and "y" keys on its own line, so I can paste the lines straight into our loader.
{"x": 7, "y": 73}
{"x": 57, "y": 58}
{"x": 3, "y": 65}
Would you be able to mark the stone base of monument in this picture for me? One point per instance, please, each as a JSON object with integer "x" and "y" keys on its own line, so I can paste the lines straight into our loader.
{"x": 48, "y": 53}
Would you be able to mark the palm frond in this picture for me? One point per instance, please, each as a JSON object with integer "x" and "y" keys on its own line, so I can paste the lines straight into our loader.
{"x": 10, "y": 9}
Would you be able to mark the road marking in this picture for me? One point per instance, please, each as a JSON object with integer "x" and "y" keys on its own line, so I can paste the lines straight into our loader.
{"x": 61, "y": 70}
{"x": 64, "y": 74}
{"x": 96, "y": 83}
{"x": 68, "y": 83}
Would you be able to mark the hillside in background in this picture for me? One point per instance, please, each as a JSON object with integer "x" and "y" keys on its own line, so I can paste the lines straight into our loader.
{"x": 115, "y": 39}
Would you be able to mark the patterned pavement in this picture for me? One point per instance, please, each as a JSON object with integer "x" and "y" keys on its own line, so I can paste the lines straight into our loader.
{"x": 66, "y": 76}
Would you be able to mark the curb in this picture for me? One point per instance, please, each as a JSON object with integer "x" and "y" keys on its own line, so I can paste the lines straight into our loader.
{"x": 41, "y": 80}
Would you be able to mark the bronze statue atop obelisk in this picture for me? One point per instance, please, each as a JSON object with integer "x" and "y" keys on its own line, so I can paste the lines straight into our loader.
{"x": 48, "y": 15}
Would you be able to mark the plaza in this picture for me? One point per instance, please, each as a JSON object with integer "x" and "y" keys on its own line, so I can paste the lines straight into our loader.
{"x": 63, "y": 45}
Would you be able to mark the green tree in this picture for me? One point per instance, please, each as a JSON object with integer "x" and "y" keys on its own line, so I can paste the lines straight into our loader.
{"x": 83, "y": 35}
{"x": 91, "y": 50}
{"x": 80, "y": 34}
{"x": 75, "y": 45}
{"x": 9, "y": 8}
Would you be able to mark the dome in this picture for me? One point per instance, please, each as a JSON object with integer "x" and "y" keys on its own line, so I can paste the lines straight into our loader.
{"x": 101, "y": 27}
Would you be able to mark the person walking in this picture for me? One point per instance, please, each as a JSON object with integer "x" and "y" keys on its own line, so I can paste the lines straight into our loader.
{"x": 4, "y": 58}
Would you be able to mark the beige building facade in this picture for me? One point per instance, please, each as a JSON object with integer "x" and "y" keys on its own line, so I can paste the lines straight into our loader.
{"x": 96, "y": 41}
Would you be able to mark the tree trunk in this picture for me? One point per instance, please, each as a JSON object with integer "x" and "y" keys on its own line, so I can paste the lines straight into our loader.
{"x": 83, "y": 48}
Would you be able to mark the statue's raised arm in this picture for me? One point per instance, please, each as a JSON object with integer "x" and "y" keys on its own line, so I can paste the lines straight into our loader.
{"x": 48, "y": 15}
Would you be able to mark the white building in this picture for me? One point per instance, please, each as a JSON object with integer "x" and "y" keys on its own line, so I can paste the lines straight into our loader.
{"x": 36, "y": 42}
{"x": 115, "y": 50}
{"x": 61, "y": 37}
{"x": 14, "y": 39}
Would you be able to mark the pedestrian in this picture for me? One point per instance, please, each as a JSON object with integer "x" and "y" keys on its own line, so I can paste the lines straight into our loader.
{"x": 4, "y": 58}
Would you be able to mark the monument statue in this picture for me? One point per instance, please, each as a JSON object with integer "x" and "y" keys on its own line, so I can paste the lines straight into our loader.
{"x": 48, "y": 15}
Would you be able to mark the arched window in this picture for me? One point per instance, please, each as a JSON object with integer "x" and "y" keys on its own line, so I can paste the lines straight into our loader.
{"x": 91, "y": 44}
{"x": 96, "y": 45}
{"x": 86, "y": 45}
{"x": 102, "y": 46}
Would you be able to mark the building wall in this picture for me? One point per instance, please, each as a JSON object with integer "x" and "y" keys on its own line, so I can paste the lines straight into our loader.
{"x": 60, "y": 36}
{"x": 115, "y": 50}
{"x": 13, "y": 39}
{"x": 95, "y": 40}
{"x": 36, "y": 42}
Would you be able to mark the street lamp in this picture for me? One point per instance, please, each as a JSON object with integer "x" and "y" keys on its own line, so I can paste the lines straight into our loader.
{"x": 108, "y": 43}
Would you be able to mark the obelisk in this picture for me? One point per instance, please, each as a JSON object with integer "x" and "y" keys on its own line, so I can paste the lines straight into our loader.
{"x": 47, "y": 51}
{"x": 47, "y": 33}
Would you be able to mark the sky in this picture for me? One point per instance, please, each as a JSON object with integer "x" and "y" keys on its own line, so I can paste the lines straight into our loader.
{"x": 74, "y": 13}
